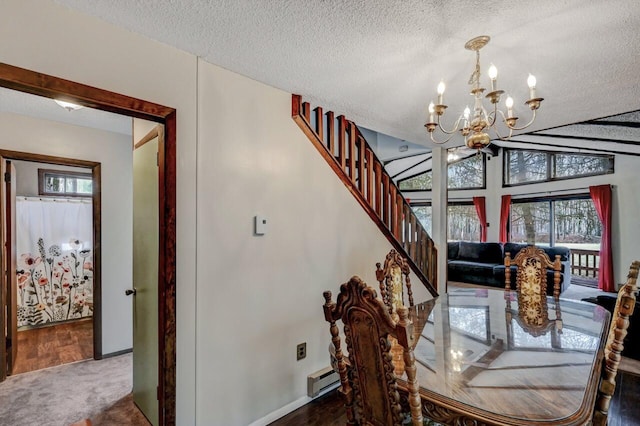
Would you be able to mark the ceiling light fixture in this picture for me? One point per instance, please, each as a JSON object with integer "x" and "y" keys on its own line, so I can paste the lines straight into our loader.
{"x": 68, "y": 105}
{"x": 475, "y": 127}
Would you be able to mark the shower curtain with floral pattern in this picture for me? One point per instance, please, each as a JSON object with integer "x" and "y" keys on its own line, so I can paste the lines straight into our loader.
{"x": 54, "y": 245}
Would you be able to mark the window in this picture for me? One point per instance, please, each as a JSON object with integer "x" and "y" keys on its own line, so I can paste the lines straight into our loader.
{"x": 524, "y": 167}
{"x": 467, "y": 173}
{"x": 462, "y": 220}
{"x": 66, "y": 183}
{"x": 570, "y": 222}
{"x": 421, "y": 182}
{"x": 423, "y": 213}
{"x": 463, "y": 223}
{"x": 530, "y": 223}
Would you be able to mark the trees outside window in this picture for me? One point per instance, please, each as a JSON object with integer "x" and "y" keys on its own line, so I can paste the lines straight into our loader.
{"x": 524, "y": 167}
{"x": 466, "y": 173}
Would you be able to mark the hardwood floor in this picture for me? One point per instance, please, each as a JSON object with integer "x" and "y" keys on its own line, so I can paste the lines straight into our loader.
{"x": 58, "y": 344}
{"x": 328, "y": 409}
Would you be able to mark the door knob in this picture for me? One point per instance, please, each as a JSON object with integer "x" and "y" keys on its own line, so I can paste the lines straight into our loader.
{"x": 129, "y": 292}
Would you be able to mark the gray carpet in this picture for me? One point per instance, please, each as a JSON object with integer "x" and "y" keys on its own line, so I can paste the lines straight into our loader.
{"x": 62, "y": 395}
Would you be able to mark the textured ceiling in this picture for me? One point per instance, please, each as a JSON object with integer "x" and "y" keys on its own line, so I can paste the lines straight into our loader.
{"x": 379, "y": 61}
{"x": 45, "y": 108}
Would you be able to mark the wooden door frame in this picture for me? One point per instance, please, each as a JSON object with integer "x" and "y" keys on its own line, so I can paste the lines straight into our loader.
{"x": 32, "y": 82}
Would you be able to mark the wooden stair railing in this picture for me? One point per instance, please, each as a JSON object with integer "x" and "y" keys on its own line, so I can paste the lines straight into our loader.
{"x": 355, "y": 163}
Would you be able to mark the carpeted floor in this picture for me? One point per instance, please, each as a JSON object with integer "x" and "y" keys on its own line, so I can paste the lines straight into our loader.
{"x": 62, "y": 395}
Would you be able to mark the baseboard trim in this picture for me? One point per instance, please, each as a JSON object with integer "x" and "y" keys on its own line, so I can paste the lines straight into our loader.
{"x": 292, "y": 406}
{"x": 117, "y": 353}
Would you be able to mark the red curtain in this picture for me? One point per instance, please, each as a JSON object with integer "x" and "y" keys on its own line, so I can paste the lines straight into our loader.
{"x": 504, "y": 218}
{"x": 601, "y": 196}
{"x": 481, "y": 209}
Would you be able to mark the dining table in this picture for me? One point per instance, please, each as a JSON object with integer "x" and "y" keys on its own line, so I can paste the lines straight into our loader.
{"x": 483, "y": 359}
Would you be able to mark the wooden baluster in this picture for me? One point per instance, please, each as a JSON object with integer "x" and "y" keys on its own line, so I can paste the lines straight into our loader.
{"x": 378, "y": 189}
{"x": 393, "y": 216}
{"x": 385, "y": 200}
{"x": 319, "y": 123}
{"x": 331, "y": 133}
{"x": 401, "y": 221}
{"x": 408, "y": 229}
{"x": 362, "y": 147}
{"x": 414, "y": 227}
{"x": 306, "y": 111}
{"x": 342, "y": 128}
{"x": 352, "y": 151}
{"x": 369, "y": 159}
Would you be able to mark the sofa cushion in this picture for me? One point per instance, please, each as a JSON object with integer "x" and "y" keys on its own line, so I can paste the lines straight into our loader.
{"x": 452, "y": 250}
{"x": 480, "y": 252}
{"x": 472, "y": 272}
{"x": 553, "y": 251}
{"x": 513, "y": 248}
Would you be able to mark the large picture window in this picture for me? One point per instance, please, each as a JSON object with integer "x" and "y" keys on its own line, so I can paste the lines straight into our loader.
{"x": 523, "y": 167}
{"x": 462, "y": 220}
{"x": 571, "y": 222}
{"x": 466, "y": 173}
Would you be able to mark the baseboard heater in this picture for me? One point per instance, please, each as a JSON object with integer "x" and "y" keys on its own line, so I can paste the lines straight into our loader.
{"x": 321, "y": 380}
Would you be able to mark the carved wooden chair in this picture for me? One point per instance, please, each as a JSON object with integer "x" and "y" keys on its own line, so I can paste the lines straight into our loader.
{"x": 531, "y": 275}
{"x": 625, "y": 305}
{"x": 368, "y": 383}
{"x": 392, "y": 279}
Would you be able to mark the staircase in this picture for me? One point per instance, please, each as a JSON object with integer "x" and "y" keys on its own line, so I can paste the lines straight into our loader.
{"x": 342, "y": 145}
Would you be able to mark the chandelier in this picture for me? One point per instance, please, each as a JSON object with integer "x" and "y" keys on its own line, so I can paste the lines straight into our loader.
{"x": 474, "y": 127}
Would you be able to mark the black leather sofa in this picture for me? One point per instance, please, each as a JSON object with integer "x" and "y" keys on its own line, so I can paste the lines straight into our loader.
{"x": 483, "y": 263}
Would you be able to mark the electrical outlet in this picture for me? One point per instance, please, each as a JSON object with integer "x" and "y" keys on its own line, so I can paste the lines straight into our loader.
{"x": 301, "y": 351}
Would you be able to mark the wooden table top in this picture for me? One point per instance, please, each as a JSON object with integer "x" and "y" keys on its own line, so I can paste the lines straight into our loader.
{"x": 478, "y": 358}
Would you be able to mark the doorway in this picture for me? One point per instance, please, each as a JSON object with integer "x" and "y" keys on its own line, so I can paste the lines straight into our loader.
{"x": 52, "y": 218}
{"x": 53, "y": 87}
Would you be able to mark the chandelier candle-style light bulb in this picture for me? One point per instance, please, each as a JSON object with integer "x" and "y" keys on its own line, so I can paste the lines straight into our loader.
{"x": 509, "y": 104}
{"x": 475, "y": 129}
{"x": 531, "y": 82}
{"x": 441, "y": 88}
{"x": 493, "y": 75}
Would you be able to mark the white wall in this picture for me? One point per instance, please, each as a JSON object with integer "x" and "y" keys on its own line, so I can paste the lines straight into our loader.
{"x": 113, "y": 151}
{"x": 259, "y": 296}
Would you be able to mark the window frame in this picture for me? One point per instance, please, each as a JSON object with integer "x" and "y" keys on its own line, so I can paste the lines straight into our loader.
{"x": 66, "y": 174}
{"x": 551, "y": 166}
{"x": 550, "y": 200}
